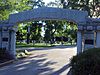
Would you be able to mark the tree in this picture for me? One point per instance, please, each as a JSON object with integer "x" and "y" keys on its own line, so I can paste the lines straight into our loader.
{"x": 35, "y": 31}
{"x": 57, "y": 4}
{"x": 48, "y": 32}
{"x": 53, "y": 29}
{"x": 22, "y": 5}
{"x": 64, "y": 28}
{"x": 36, "y": 3}
{"x": 91, "y": 6}
{"x": 5, "y": 8}
{"x": 21, "y": 33}
{"x": 8, "y": 7}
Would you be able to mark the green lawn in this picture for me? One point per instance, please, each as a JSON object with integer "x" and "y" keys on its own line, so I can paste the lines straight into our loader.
{"x": 19, "y": 45}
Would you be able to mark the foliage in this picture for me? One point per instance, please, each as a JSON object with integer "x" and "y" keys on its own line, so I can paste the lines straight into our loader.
{"x": 36, "y": 3}
{"x": 8, "y": 7}
{"x": 5, "y": 55}
{"x": 71, "y": 31}
{"x": 35, "y": 31}
{"x": 91, "y": 6}
{"x": 59, "y": 29}
{"x": 57, "y": 4}
{"x": 52, "y": 28}
{"x": 86, "y": 63}
{"x": 21, "y": 33}
{"x": 5, "y": 8}
{"x": 48, "y": 31}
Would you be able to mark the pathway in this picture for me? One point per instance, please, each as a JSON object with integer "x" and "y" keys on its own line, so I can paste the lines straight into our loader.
{"x": 44, "y": 61}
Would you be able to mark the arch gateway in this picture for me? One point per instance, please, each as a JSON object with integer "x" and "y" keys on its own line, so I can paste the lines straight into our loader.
{"x": 88, "y": 33}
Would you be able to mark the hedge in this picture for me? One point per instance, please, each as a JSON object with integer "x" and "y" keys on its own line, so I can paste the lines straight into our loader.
{"x": 86, "y": 63}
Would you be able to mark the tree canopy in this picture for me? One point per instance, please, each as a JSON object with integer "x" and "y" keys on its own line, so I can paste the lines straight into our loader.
{"x": 52, "y": 28}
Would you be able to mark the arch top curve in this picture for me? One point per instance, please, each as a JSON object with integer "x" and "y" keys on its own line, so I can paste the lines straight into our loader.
{"x": 49, "y": 13}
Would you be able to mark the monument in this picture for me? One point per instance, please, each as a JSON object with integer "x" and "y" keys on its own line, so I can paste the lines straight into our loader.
{"x": 87, "y": 27}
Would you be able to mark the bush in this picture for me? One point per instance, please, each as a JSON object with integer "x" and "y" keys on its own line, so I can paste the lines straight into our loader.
{"x": 5, "y": 55}
{"x": 86, "y": 63}
{"x": 2, "y": 53}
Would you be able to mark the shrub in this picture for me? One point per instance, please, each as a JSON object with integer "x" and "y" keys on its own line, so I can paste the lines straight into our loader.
{"x": 86, "y": 63}
{"x": 5, "y": 55}
{"x": 2, "y": 53}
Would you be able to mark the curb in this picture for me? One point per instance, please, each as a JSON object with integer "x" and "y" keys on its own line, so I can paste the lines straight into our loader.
{"x": 6, "y": 63}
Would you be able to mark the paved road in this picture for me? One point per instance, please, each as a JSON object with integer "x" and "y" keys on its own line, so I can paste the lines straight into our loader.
{"x": 45, "y": 61}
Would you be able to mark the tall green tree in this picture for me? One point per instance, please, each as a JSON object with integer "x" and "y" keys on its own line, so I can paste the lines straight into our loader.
{"x": 35, "y": 31}
{"x": 91, "y": 6}
{"x": 64, "y": 28}
{"x": 53, "y": 29}
{"x": 21, "y": 33}
{"x": 8, "y": 7}
{"x": 26, "y": 5}
{"x": 5, "y": 8}
{"x": 48, "y": 32}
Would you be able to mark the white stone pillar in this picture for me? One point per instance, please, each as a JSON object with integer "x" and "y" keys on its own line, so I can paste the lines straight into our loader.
{"x": 79, "y": 42}
{"x": 98, "y": 39}
{"x": 13, "y": 44}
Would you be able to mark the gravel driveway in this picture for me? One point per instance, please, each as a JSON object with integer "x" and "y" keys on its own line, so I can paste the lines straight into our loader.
{"x": 43, "y": 61}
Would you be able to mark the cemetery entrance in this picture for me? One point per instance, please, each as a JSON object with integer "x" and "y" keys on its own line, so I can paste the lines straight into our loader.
{"x": 86, "y": 27}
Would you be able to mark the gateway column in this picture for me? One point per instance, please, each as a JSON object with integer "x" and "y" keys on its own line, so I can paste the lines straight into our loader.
{"x": 80, "y": 39}
{"x": 12, "y": 43}
{"x": 79, "y": 42}
{"x": 0, "y": 38}
{"x": 98, "y": 39}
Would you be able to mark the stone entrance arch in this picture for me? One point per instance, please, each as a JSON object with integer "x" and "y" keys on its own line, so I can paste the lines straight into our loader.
{"x": 8, "y": 28}
{"x": 47, "y": 13}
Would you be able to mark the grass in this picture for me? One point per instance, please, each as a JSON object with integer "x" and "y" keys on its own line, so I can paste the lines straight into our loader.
{"x": 40, "y": 45}
{"x": 19, "y": 45}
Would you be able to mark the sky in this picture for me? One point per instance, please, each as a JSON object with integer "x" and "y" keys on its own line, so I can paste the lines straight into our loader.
{"x": 47, "y": 1}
